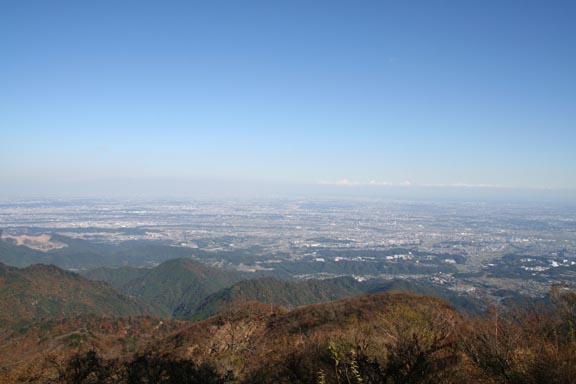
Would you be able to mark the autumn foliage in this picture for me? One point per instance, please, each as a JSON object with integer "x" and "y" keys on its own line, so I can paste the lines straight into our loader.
{"x": 383, "y": 338}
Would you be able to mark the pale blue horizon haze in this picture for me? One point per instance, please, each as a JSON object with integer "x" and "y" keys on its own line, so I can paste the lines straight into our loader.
{"x": 110, "y": 97}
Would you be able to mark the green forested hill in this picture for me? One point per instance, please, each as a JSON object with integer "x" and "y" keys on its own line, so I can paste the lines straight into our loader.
{"x": 116, "y": 277}
{"x": 188, "y": 289}
{"x": 175, "y": 286}
{"x": 289, "y": 294}
{"x": 20, "y": 255}
{"x": 45, "y": 291}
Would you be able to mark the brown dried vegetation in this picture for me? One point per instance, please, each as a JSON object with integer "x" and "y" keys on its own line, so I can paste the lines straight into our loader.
{"x": 383, "y": 338}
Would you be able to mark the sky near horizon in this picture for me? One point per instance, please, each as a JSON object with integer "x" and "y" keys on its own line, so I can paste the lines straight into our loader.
{"x": 367, "y": 93}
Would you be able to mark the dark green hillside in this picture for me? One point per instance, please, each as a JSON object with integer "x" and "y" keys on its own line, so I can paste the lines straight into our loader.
{"x": 116, "y": 277}
{"x": 276, "y": 292}
{"x": 45, "y": 291}
{"x": 180, "y": 288}
{"x": 177, "y": 286}
{"x": 292, "y": 294}
{"x": 20, "y": 255}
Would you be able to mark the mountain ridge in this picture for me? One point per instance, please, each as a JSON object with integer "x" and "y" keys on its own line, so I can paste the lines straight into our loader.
{"x": 44, "y": 291}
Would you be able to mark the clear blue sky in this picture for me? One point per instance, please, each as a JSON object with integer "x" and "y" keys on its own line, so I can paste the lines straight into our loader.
{"x": 431, "y": 92}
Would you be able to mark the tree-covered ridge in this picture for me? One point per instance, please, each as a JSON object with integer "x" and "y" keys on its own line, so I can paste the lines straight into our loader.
{"x": 188, "y": 289}
{"x": 289, "y": 294}
{"x": 181, "y": 288}
{"x": 116, "y": 277}
{"x": 46, "y": 292}
{"x": 171, "y": 288}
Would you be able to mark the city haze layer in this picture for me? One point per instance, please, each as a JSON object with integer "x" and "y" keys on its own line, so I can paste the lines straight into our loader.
{"x": 465, "y": 245}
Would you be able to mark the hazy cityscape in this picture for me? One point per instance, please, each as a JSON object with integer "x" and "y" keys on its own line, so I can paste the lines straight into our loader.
{"x": 476, "y": 248}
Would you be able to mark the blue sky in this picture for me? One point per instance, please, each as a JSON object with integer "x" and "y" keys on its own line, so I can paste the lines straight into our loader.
{"x": 426, "y": 93}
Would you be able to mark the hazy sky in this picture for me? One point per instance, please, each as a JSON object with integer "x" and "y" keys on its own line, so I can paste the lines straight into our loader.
{"x": 305, "y": 92}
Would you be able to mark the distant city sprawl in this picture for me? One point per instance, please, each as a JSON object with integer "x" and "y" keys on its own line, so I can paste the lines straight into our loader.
{"x": 471, "y": 248}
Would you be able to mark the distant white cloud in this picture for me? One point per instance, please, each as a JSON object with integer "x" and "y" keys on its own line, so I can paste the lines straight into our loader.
{"x": 466, "y": 185}
{"x": 355, "y": 183}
